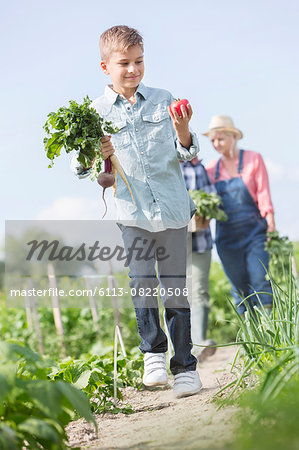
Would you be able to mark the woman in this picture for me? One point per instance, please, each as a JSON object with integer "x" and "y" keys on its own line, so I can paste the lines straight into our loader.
{"x": 241, "y": 180}
{"x": 196, "y": 178}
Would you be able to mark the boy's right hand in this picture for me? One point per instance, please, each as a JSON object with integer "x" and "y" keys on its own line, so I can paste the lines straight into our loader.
{"x": 107, "y": 147}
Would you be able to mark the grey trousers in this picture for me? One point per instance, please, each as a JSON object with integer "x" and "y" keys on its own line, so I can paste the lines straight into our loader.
{"x": 171, "y": 279}
{"x": 200, "y": 306}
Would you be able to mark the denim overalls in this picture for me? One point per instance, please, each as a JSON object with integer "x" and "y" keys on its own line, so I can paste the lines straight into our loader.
{"x": 240, "y": 241}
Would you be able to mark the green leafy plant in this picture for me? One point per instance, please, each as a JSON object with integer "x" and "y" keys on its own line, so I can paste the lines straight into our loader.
{"x": 81, "y": 334}
{"x": 94, "y": 376}
{"x": 34, "y": 411}
{"x": 268, "y": 425}
{"x": 223, "y": 326}
{"x": 78, "y": 127}
{"x": 208, "y": 205}
{"x": 280, "y": 249}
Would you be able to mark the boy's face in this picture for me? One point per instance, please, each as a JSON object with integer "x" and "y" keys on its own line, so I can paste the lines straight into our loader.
{"x": 126, "y": 69}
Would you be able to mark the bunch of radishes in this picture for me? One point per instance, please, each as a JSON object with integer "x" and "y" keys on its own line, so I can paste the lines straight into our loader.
{"x": 80, "y": 128}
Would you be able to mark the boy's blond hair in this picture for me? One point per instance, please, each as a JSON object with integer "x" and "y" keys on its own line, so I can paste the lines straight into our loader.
{"x": 118, "y": 39}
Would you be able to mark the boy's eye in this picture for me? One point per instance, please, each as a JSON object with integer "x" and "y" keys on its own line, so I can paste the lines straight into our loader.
{"x": 139, "y": 62}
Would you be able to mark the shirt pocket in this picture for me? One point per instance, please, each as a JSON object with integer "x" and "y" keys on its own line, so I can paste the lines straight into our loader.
{"x": 121, "y": 139}
{"x": 157, "y": 126}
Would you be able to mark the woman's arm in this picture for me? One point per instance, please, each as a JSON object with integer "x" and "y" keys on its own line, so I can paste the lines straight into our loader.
{"x": 263, "y": 196}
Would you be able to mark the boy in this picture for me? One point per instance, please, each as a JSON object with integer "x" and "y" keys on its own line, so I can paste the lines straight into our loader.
{"x": 148, "y": 146}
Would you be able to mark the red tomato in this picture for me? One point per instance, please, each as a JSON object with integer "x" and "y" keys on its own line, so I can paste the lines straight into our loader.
{"x": 177, "y": 106}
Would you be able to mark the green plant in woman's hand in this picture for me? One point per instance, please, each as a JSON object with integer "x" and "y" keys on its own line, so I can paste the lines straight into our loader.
{"x": 208, "y": 205}
{"x": 280, "y": 248}
{"x": 278, "y": 245}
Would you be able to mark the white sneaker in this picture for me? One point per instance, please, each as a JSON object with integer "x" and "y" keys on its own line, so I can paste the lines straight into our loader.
{"x": 155, "y": 373}
{"x": 186, "y": 383}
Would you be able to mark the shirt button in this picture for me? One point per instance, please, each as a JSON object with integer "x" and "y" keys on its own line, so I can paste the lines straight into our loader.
{"x": 148, "y": 176}
{"x": 157, "y": 199}
{"x": 136, "y": 129}
{"x": 142, "y": 153}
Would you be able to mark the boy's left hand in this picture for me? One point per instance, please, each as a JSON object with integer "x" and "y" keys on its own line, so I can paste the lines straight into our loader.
{"x": 181, "y": 124}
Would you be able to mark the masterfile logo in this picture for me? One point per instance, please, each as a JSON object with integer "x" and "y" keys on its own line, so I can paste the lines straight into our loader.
{"x": 80, "y": 262}
{"x": 142, "y": 249}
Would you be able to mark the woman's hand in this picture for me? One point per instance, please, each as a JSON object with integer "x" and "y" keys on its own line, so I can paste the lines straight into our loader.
{"x": 107, "y": 147}
{"x": 202, "y": 222}
{"x": 181, "y": 124}
{"x": 270, "y": 222}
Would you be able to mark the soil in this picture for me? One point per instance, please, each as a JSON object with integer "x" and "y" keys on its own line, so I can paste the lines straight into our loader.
{"x": 162, "y": 422}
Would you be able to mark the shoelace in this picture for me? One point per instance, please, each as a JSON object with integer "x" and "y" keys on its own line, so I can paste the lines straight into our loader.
{"x": 157, "y": 361}
{"x": 184, "y": 378}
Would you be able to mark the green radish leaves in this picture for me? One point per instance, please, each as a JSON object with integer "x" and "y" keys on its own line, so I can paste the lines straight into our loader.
{"x": 208, "y": 205}
{"x": 280, "y": 248}
{"x": 77, "y": 127}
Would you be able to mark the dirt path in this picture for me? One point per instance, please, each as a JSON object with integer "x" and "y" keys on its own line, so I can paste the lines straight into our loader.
{"x": 162, "y": 422}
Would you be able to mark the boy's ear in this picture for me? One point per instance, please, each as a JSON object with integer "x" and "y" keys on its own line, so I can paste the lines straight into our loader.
{"x": 104, "y": 67}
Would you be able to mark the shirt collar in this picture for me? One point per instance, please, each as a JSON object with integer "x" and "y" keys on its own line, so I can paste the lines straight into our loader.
{"x": 112, "y": 96}
{"x": 142, "y": 90}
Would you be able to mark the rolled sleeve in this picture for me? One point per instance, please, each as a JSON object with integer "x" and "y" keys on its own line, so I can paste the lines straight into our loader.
{"x": 185, "y": 154}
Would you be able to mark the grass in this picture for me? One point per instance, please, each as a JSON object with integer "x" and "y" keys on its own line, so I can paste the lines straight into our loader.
{"x": 269, "y": 425}
{"x": 269, "y": 342}
{"x": 266, "y": 388}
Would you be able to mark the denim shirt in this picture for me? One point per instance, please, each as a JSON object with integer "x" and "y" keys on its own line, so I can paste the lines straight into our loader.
{"x": 149, "y": 151}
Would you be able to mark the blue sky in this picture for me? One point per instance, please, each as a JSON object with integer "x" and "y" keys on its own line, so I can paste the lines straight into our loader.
{"x": 225, "y": 57}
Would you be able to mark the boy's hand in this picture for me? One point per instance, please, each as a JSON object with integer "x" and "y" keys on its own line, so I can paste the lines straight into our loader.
{"x": 181, "y": 124}
{"x": 107, "y": 147}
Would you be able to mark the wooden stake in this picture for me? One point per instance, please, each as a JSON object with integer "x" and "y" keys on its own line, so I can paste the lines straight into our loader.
{"x": 117, "y": 334}
{"x": 93, "y": 306}
{"x": 115, "y": 367}
{"x": 113, "y": 289}
{"x": 121, "y": 341}
{"x": 56, "y": 308}
{"x": 37, "y": 328}
{"x": 28, "y": 313}
{"x": 32, "y": 305}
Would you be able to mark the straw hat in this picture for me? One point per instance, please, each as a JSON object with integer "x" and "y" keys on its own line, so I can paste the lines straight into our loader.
{"x": 223, "y": 123}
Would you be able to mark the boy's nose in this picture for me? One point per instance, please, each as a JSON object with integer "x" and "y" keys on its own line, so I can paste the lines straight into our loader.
{"x": 132, "y": 68}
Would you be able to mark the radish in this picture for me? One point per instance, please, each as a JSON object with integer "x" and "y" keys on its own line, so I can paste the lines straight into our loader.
{"x": 80, "y": 128}
{"x": 107, "y": 179}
